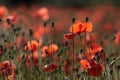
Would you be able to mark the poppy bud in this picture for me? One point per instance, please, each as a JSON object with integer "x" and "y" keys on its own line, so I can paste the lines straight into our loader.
{"x": 46, "y": 51}
{"x": 5, "y": 40}
{"x": 8, "y": 21}
{"x": 81, "y": 50}
{"x": 102, "y": 51}
{"x": 73, "y": 20}
{"x": 31, "y": 32}
{"x": 45, "y": 23}
{"x": 87, "y": 18}
{"x": 58, "y": 54}
{"x": 53, "y": 24}
{"x": 0, "y": 20}
{"x": 11, "y": 47}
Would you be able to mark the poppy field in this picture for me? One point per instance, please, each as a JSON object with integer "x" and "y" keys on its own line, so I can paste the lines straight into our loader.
{"x": 52, "y": 43}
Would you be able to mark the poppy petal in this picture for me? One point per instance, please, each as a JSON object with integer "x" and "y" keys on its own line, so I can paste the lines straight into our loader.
{"x": 69, "y": 35}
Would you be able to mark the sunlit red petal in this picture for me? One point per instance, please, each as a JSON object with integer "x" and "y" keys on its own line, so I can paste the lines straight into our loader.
{"x": 75, "y": 28}
{"x": 69, "y": 36}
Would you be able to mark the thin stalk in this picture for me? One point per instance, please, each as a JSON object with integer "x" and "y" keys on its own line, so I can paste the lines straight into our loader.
{"x": 73, "y": 52}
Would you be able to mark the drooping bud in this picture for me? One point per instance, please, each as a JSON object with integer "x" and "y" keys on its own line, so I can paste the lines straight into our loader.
{"x": 53, "y": 24}
{"x": 73, "y": 20}
{"x": 45, "y": 23}
{"x": 87, "y": 19}
{"x": 8, "y": 21}
{"x": 31, "y": 32}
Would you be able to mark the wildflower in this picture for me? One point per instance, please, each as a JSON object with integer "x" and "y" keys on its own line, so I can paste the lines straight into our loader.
{"x": 75, "y": 28}
{"x": 43, "y": 13}
{"x": 69, "y": 35}
{"x": 79, "y": 27}
{"x": 49, "y": 68}
{"x": 94, "y": 69}
{"x": 92, "y": 50}
{"x": 3, "y": 11}
{"x": 85, "y": 64}
{"x": 32, "y": 45}
{"x": 49, "y": 50}
{"x": 117, "y": 38}
{"x": 7, "y": 69}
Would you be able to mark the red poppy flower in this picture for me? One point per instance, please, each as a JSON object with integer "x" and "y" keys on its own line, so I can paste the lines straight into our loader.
{"x": 79, "y": 27}
{"x": 43, "y": 13}
{"x": 75, "y": 28}
{"x": 7, "y": 68}
{"x": 92, "y": 50}
{"x": 85, "y": 64}
{"x": 88, "y": 26}
{"x": 117, "y": 38}
{"x": 50, "y": 68}
{"x": 32, "y": 45}
{"x": 49, "y": 50}
{"x": 95, "y": 69}
{"x": 69, "y": 35}
{"x": 3, "y": 11}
